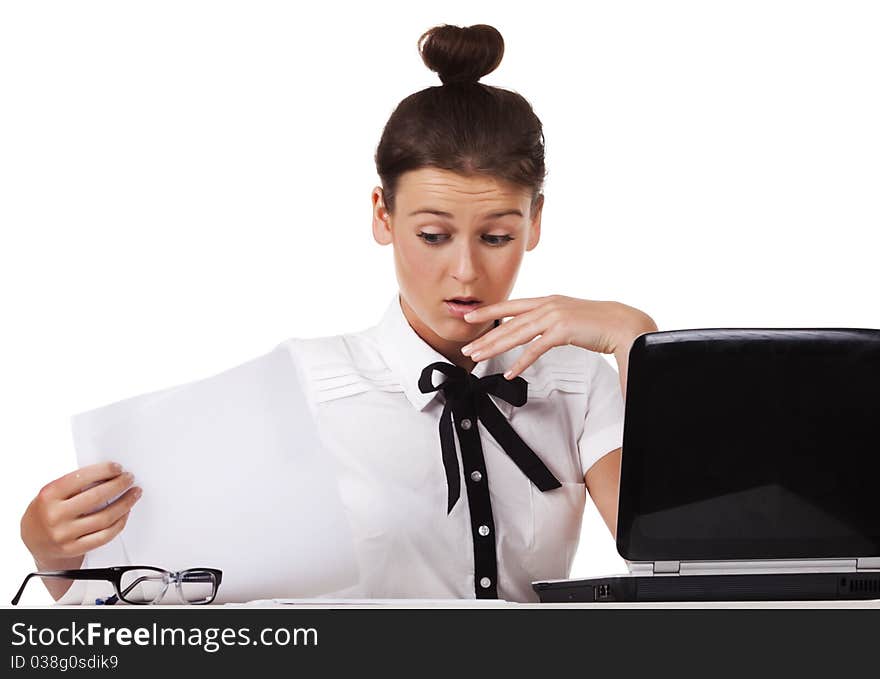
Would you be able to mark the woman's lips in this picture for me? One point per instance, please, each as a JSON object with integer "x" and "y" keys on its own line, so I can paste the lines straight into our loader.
{"x": 458, "y": 309}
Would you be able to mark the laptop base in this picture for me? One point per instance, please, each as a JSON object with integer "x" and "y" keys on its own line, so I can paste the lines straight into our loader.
{"x": 742, "y": 587}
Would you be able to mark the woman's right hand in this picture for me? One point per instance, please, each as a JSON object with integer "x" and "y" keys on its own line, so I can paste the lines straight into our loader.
{"x": 61, "y": 523}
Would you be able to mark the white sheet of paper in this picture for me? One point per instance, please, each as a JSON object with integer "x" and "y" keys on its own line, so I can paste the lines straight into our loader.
{"x": 234, "y": 477}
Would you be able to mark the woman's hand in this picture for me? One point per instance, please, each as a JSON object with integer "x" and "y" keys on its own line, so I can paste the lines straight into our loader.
{"x": 604, "y": 327}
{"x": 61, "y": 523}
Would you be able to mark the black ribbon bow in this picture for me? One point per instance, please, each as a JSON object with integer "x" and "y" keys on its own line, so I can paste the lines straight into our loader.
{"x": 466, "y": 394}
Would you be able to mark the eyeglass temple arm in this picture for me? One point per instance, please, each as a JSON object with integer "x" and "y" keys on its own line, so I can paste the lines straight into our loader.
{"x": 75, "y": 574}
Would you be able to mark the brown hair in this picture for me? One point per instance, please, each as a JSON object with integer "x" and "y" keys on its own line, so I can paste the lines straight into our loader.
{"x": 463, "y": 125}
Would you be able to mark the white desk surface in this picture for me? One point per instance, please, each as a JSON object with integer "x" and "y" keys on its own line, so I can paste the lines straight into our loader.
{"x": 313, "y": 604}
{"x": 597, "y": 606}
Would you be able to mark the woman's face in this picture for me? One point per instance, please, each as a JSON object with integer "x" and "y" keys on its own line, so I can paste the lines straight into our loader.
{"x": 454, "y": 236}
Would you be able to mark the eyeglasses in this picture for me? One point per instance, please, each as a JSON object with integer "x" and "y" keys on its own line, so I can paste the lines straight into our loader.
{"x": 142, "y": 585}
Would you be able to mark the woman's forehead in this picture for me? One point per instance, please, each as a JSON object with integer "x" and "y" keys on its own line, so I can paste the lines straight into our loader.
{"x": 435, "y": 189}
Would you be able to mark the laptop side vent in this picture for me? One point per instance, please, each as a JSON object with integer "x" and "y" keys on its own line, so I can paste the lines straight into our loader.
{"x": 860, "y": 585}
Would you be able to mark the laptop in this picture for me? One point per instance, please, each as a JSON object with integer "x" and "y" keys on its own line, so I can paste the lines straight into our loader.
{"x": 750, "y": 469}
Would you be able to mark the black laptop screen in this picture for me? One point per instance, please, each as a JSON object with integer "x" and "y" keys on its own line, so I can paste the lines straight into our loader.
{"x": 751, "y": 444}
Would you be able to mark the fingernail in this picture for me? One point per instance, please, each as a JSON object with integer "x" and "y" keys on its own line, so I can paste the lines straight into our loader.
{"x": 508, "y": 374}
{"x": 116, "y": 467}
{"x": 137, "y": 493}
{"x": 468, "y": 314}
{"x": 476, "y": 355}
{"x": 466, "y": 350}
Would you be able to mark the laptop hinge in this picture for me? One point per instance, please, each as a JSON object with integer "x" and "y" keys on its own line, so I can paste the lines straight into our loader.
{"x": 758, "y": 566}
{"x": 640, "y": 567}
{"x": 768, "y": 566}
{"x": 652, "y": 567}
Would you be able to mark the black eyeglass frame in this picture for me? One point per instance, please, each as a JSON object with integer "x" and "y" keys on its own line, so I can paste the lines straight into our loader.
{"x": 114, "y": 575}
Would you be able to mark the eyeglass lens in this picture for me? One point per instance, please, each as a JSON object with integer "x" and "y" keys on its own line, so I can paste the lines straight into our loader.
{"x": 143, "y": 586}
{"x": 196, "y": 586}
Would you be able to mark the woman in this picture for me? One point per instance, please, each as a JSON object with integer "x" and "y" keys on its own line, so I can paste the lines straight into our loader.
{"x": 473, "y": 485}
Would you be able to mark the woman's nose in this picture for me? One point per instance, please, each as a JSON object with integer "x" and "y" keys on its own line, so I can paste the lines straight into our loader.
{"x": 465, "y": 268}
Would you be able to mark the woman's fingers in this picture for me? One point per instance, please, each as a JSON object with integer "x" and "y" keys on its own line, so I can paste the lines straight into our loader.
{"x": 510, "y": 307}
{"x": 521, "y": 330}
{"x": 53, "y": 527}
{"x": 94, "y": 540}
{"x": 531, "y": 354}
{"x": 73, "y": 483}
{"x": 105, "y": 518}
{"x": 92, "y": 499}
{"x": 479, "y": 345}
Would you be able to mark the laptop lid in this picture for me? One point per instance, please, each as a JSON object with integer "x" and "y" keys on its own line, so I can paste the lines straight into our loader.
{"x": 751, "y": 444}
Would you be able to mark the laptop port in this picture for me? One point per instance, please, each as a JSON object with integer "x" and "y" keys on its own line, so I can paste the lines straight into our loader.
{"x": 601, "y": 592}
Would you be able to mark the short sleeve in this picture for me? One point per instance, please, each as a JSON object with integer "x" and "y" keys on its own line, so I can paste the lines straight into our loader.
{"x": 603, "y": 423}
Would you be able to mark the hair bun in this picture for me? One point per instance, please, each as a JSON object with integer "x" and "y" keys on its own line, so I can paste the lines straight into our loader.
{"x": 461, "y": 54}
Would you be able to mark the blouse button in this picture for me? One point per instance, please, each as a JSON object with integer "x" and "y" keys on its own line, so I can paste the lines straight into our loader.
{"x": 476, "y": 477}
{"x": 483, "y": 530}
{"x": 466, "y": 424}
{"x": 485, "y": 583}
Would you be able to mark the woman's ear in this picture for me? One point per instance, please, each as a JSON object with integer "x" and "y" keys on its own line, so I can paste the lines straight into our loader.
{"x": 535, "y": 225}
{"x": 381, "y": 218}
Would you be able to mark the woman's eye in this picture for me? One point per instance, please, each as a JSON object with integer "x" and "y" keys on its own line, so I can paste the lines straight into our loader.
{"x": 498, "y": 240}
{"x": 432, "y": 238}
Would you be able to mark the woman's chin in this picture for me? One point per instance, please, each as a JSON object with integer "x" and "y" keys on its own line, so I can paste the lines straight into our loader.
{"x": 457, "y": 330}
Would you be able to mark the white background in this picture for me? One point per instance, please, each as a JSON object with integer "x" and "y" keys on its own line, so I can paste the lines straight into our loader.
{"x": 185, "y": 184}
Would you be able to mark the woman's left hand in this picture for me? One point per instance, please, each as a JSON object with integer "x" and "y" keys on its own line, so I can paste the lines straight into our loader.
{"x": 604, "y": 327}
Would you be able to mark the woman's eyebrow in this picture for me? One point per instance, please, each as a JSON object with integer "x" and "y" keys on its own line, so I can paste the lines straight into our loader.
{"x": 447, "y": 215}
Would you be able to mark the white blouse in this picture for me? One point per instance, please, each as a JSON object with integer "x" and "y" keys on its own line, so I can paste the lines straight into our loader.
{"x": 383, "y": 433}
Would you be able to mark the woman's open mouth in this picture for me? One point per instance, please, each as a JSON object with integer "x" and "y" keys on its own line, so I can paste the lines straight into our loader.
{"x": 459, "y": 306}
